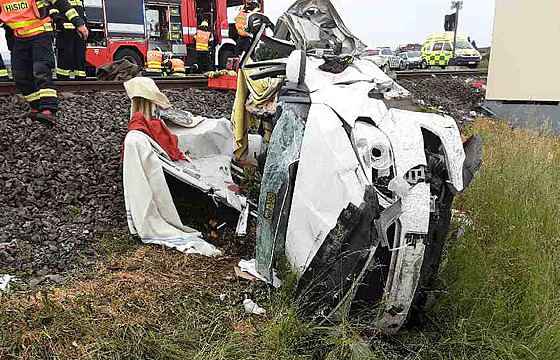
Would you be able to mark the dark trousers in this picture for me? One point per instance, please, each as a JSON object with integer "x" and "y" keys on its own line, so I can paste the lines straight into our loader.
{"x": 203, "y": 60}
{"x": 32, "y": 68}
{"x": 243, "y": 44}
{"x": 3, "y": 71}
{"x": 71, "y": 55}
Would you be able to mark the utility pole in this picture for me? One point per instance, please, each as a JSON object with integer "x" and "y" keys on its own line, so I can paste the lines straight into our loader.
{"x": 456, "y": 5}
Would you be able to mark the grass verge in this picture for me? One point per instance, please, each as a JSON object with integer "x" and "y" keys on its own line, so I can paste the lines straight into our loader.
{"x": 500, "y": 289}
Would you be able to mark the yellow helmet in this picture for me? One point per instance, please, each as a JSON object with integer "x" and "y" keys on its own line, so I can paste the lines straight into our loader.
{"x": 204, "y": 24}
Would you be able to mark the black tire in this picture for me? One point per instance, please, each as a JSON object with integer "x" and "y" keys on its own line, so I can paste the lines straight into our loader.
{"x": 130, "y": 55}
{"x": 443, "y": 66}
{"x": 223, "y": 58}
{"x": 424, "y": 64}
{"x": 403, "y": 66}
{"x": 473, "y": 66}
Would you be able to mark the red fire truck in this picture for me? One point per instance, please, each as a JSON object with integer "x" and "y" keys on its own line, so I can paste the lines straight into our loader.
{"x": 122, "y": 29}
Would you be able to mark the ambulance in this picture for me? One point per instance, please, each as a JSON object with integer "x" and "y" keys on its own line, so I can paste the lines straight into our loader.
{"x": 438, "y": 51}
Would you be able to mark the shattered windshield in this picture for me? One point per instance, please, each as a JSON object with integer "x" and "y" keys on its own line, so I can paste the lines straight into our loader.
{"x": 463, "y": 45}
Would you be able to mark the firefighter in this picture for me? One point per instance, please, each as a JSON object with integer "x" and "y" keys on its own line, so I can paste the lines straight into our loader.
{"x": 175, "y": 67}
{"x": 203, "y": 40}
{"x": 32, "y": 51}
{"x": 154, "y": 64}
{"x": 70, "y": 45}
{"x": 243, "y": 40}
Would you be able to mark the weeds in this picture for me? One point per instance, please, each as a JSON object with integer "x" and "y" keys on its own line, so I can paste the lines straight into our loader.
{"x": 74, "y": 212}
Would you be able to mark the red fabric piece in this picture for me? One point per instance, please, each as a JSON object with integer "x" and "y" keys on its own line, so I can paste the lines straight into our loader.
{"x": 157, "y": 130}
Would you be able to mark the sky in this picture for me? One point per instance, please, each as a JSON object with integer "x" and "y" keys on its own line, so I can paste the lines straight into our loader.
{"x": 394, "y": 22}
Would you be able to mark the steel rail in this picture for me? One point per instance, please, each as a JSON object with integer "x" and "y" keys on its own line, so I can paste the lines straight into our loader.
{"x": 91, "y": 85}
{"x": 425, "y": 73}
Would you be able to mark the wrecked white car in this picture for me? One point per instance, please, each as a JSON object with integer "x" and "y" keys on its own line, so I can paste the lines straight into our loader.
{"x": 356, "y": 191}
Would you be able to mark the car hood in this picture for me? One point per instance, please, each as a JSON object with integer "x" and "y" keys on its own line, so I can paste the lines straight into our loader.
{"x": 316, "y": 25}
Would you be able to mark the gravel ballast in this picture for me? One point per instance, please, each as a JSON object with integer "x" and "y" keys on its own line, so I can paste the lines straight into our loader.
{"x": 450, "y": 94}
{"x": 61, "y": 186}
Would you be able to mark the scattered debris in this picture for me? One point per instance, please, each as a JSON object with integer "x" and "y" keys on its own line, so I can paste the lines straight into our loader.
{"x": 251, "y": 308}
{"x": 5, "y": 283}
{"x": 244, "y": 275}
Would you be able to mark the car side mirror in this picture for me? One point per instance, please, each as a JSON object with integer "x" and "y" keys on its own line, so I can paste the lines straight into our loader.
{"x": 256, "y": 20}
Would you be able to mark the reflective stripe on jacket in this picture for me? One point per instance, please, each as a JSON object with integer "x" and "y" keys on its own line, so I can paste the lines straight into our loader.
{"x": 28, "y": 18}
{"x": 177, "y": 66}
{"x": 202, "y": 40}
{"x": 154, "y": 57}
{"x": 79, "y": 10}
{"x": 24, "y": 18}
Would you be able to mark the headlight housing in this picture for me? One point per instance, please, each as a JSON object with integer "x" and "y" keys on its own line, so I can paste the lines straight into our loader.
{"x": 373, "y": 148}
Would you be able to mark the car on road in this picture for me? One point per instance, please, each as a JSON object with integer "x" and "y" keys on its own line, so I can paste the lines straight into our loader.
{"x": 386, "y": 59}
{"x": 412, "y": 59}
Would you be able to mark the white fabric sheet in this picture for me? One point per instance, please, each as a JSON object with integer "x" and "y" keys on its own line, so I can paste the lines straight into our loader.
{"x": 151, "y": 212}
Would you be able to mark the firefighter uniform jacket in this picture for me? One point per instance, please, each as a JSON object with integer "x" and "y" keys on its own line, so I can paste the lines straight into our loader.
{"x": 241, "y": 21}
{"x": 63, "y": 22}
{"x": 29, "y": 18}
{"x": 203, "y": 39}
{"x": 155, "y": 60}
{"x": 176, "y": 67}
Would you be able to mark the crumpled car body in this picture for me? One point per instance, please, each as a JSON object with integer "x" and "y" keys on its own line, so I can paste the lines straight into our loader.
{"x": 356, "y": 193}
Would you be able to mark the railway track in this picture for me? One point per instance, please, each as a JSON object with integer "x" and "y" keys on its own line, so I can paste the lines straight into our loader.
{"x": 201, "y": 82}
{"x": 424, "y": 73}
{"x": 95, "y": 85}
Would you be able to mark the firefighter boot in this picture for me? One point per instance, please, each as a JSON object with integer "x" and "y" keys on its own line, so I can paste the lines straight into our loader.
{"x": 46, "y": 117}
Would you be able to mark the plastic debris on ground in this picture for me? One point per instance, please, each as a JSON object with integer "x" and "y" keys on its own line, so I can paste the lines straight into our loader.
{"x": 251, "y": 308}
{"x": 5, "y": 283}
{"x": 247, "y": 269}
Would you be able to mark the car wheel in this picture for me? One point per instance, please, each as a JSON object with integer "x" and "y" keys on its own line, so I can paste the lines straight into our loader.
{"x": 403, "y": 66}
{"x": 473, "y": 66}
{"x": 387, "y": 68}
{"x": 443, "y": 67}
{"x": 424, "y": 65}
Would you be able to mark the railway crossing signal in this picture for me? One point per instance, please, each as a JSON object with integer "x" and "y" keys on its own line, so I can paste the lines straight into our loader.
{"x": 457, "y": 6}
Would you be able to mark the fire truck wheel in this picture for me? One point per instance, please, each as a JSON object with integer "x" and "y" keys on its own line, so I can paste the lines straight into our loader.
{"x": 130, "y": 55}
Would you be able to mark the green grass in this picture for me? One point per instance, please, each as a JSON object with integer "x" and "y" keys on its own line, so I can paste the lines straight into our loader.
{"x": 485, "y": 62}
{"x": 502, "y": 277}
{"x": 500, "y": 284}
